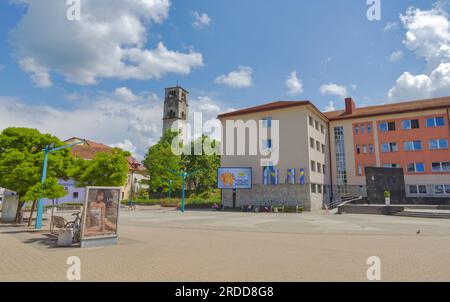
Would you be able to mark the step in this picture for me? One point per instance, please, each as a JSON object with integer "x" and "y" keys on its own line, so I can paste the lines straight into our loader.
{"x": 423, "y": 215}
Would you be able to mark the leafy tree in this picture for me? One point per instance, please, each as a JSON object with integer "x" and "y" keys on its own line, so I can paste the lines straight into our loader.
{"x": 51, "y": 189}
{"x": 160, "y": 161}
{"x": 21, "y": 161}
{"x": 204, "y": 166}
{"x": 105, "y": 169}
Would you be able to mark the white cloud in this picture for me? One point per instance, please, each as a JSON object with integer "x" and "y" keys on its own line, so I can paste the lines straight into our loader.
{"x": 104, "y": 118}
{"x": 125, "y": 94}
{"x": 108, "y": 42}
{"x": 428, "y": 37}
{"x": 396, "y": 55}
{"x": 241, "y": 78}
{"x": 293, "y": 84}
{"x": 334, "y": 89}
{"x": 39, "y": 74}
{"x": 2, "y": 67}
{"x": 390, "y": 26}
{"x": 200, "y": 19}
{"x": 126, "y": 145}
{"x": 354, "y": 86}
{"x": 330, "y": 107}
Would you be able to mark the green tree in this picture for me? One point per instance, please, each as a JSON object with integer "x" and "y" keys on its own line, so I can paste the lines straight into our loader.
{"x": 51, "y": 189}
{"x": 160, "y": 161}
{"x": 105, "y": 169}
{"x": 204, "y": 165}
{"x": 21, "y": 160}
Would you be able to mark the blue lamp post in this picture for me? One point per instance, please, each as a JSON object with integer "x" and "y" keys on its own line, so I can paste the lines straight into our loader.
{"x": 48, "y": 149}
{"x": 184, "y": 175}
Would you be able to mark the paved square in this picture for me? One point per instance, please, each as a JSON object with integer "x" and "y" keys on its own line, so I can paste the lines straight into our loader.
{"x": 164, "y": 245}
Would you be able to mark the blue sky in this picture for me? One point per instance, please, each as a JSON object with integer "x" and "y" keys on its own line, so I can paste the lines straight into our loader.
{"x": 68, "y": 78}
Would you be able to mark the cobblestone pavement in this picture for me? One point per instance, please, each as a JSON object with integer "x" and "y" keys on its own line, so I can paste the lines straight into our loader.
{"x": 164, "y": 245}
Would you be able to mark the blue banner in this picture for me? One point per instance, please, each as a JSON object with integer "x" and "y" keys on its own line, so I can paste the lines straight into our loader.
{"x": 302, "y": 176}
{"x": 290, "y": 177}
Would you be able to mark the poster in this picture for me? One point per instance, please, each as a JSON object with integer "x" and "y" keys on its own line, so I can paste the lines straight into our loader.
{"x": 234, "y": 178}
{"x": 101, "y": 212}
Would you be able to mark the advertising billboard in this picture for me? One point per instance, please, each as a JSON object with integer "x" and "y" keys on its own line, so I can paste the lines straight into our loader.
{"x": 234, "y": 178}
{"x": 101, "y": 213}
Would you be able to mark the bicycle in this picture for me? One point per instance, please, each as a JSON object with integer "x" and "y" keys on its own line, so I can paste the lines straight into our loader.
{"x": 76, "y": 227}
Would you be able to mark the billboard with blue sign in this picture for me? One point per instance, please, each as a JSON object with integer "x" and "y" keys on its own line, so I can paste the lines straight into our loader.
{"x": 234, "y": 178}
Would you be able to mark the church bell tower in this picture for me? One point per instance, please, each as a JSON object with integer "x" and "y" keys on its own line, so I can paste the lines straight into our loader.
{"x": 176, "y": 109}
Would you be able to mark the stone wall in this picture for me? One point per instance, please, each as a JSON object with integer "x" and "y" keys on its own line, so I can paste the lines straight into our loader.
{"x": 279, "y": 195}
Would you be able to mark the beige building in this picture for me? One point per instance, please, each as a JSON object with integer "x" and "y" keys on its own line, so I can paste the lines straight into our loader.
{"x": 303, "y": 144}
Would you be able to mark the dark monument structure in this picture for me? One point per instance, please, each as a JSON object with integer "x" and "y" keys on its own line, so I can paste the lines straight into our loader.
{"x": 379, "y": 180}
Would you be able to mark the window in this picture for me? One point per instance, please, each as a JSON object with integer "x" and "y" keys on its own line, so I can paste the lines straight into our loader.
{"x": 322, "y": 129}
{"x": 319, "y": 189}
{"x": 313, "y": 166}
{"x": 441, "y": 167}
{"x": 389, "y": 147}
{"x": 313, "y": 188}
{"x": 319, "y": 167}
{"x": 318, "y": 145}
{"x": 387, "y": 126}
{"x": 75, "y": 195}
{"x": 416, "y": 168}
{"x": 311, "y": 121}
{"x": 324, "y": 169}
{"x": 438, "y": 144}
{"x": 369, "y": 128}
{"x": 358, "y": 149}
{"x": 435, "y": 122}
{"x": 447, "y": 189}
{"x": 360, "y": 170}
{"x": 317, "y": 125}
{"x": 413, "y": 190}
{"x": 410, "y": 124}
{"x": 422, "y": 189}
{"x": 363, "y": 129}
{"x": 439, "y": 189}
{"x": 311, "y": 142}
{"x": 267, "y": 122}
{"x": 356, "y": 129}
{"x": 364, "y": 149}
{"x": 370, "y": 148}
{"x": 413, "y": 146}
{"x": 391, "y": 126}
{"x": 323, "y": 148}
{"x": 391, "y": 166}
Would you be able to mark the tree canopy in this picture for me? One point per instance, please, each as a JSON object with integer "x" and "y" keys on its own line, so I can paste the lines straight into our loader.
{"x": 109, "y": 170}
{"x": 160, "y": 161}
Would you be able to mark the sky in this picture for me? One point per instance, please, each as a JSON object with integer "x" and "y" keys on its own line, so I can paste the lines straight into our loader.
{"x": 102, "y": 76}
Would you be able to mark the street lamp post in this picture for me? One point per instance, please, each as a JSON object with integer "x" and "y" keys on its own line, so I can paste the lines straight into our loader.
{"x": 48, "y": 149}
{"x": 184, "y": 175}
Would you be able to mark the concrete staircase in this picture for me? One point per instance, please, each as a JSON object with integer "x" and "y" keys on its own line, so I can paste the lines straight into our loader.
{"x": 397, "y": 210}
